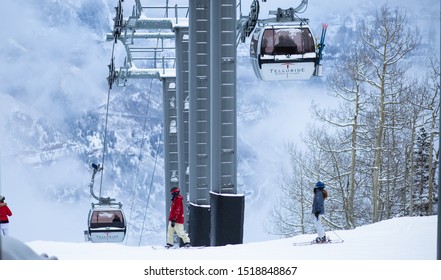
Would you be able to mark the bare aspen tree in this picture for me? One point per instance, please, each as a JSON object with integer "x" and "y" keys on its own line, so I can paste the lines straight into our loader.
{"x": 412, "y": 106}
{"x": 433, "y": 110}
{"x": 347, "y": 86}
{"x": 388, "y": 42}
{"x": 290, "y": 215}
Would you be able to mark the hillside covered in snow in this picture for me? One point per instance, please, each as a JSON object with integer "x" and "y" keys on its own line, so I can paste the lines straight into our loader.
{"x": 407, "y": 238}
{"x": 400, "y": 248}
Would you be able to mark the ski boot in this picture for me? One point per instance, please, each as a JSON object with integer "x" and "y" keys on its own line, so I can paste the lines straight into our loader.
{"x": 321, "y": 239}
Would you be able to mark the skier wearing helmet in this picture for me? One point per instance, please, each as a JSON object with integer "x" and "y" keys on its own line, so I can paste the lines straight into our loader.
{"x": 176, "y": 219}
{"x": 318, "y": 209}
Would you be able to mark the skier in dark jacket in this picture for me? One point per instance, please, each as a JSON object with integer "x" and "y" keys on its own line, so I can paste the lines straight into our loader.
{"x": 318, "y": 209}
{"x": 176, "y": 219}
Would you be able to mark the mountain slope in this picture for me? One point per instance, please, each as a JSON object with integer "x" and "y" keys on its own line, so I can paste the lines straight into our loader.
{"x": 407, "y": 238}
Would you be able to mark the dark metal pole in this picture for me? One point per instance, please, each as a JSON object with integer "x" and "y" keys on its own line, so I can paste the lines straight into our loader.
{"x": 439, "y": 186}
{"x": 438, "y": 257}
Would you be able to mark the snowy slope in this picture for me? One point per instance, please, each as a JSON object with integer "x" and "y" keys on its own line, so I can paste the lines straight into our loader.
{"x": 407, "y": 238}
{"x": 400, "y": 248}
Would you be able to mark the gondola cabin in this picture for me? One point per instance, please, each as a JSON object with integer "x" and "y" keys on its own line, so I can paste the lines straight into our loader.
{"x": 284, "y": 52}
{"x": 106, "y": 223}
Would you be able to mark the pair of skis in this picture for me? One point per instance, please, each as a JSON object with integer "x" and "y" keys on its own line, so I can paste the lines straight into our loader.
{"x": 328, "y": 241}
{"x": 321, "y": 45}
{"x": 176, "y": 247}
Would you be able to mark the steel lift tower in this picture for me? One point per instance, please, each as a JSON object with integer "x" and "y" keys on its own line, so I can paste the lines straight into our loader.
{"x": 199, "y": 107}
{"x": 212, "y": 121}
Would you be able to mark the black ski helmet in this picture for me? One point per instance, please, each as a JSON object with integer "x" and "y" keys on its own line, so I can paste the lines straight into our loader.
{"x": 174, "y": 190}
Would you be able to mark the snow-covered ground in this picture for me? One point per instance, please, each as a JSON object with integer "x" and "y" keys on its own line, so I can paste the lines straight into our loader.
{"x": 401, "y": 248}
{"x": 406, "y": 238}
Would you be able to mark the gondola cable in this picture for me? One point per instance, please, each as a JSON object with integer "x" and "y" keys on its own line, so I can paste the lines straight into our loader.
{"x": 154, "y": 166}
{"x": 150, "y": 188}
{"x": 111, "y": 66}
{"x": 141, "y": 146}
{"x": 137, "y": 167}
{"x": 106, "y": 221}
{"x": 117, "y": 27}
{"x": 153, "y": 175}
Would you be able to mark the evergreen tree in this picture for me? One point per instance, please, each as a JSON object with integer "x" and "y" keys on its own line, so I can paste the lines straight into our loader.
{"x": 420, "y": 196}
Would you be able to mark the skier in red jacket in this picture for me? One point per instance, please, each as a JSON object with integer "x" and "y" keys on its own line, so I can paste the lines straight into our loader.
{"x": 4, "y": 213}
{"x": 176, "y": 219}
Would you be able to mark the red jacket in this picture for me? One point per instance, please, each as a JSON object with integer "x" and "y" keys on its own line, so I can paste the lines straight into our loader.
{"x": 177, "y": 210}
{"x": 4, "y": 213}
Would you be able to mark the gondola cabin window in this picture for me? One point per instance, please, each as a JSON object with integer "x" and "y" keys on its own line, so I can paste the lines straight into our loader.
{"x": 287, "y": 41}
{"x": 103, "y": 218}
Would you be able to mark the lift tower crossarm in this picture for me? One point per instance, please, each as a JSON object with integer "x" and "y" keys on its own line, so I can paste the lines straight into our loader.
{"x": 134, "y": 29}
